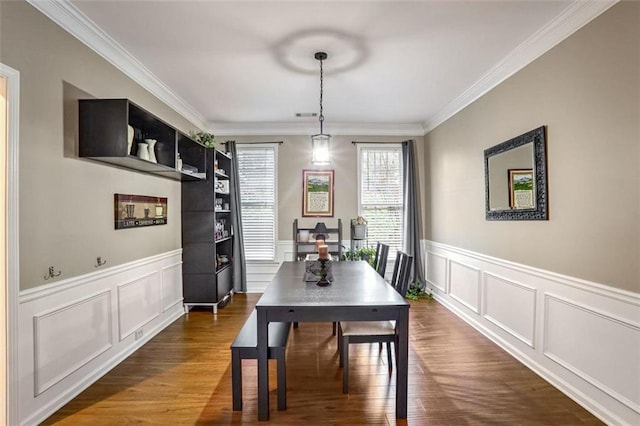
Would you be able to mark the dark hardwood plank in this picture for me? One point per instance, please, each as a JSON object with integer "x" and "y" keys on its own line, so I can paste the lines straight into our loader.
{"x": 456, "y": 377}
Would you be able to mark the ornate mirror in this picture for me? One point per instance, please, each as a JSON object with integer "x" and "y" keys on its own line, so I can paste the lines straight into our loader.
{"x": 516, "y": 178}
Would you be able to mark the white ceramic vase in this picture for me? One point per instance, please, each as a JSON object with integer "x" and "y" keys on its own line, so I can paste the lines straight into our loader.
{"x": 143, "y": 151}
{"x": 130, "y": 134}
{"x": 151, "y": 143}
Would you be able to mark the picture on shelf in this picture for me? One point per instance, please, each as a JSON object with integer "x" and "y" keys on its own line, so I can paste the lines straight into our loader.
{"x": 134, "y": 211}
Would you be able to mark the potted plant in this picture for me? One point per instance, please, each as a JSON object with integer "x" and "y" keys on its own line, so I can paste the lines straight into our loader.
{"x": 368, "y": 254}
{"x": 206, "y": 139}
{"x": 359, "y": 226}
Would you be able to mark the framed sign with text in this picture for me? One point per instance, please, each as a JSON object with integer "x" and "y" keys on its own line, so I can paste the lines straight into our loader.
{"x": 317, "y": 193}
{"x": 134, "y": 211}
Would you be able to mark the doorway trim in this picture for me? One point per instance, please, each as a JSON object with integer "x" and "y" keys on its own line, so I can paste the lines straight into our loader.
{"x": 12, "y": 231}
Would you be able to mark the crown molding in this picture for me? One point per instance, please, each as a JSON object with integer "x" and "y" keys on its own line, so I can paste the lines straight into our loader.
{"x": 575, "y": 16}
{"x": 290, "y": 128}
{"x": 72, "y": 20}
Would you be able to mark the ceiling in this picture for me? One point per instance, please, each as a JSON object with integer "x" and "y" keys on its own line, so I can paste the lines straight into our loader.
{"x": 393, "y": 67}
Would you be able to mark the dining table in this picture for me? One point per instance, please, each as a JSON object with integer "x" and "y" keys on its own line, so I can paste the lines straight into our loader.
{"x": 356, "y": 293}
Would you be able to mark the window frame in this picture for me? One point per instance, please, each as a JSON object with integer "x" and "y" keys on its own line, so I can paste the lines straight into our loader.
{"x": 274, "y": 146}
{"x": 389, "y": 146}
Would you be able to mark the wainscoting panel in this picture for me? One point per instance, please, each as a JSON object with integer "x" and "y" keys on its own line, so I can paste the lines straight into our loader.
{"x": 171, "y": 286}
{"x": 464, "y": 285}
{"x": 580, "y": 336}
{"x": 138, "y": 303}
{"x": 87, "y": 325}
{"x": 437, "y": 271}
{"x": 74, "y": 331}
{"x": 511, "y": 306}
{"x": 591, "y": 344}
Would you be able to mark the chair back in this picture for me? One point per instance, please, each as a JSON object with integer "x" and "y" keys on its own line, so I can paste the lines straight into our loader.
{"x": 396, "y": 271}
{"x": 381, "y": 264}
{"x": 375, "y": 259}
{"x": 404, "y": 273}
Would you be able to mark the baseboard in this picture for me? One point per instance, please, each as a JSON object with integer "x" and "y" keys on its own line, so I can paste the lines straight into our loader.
{"x": 530, "y": 313}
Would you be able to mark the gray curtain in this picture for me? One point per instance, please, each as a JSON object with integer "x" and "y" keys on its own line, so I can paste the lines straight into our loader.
{"x": 412, "y": 231}
{"x": 239, "y": 261}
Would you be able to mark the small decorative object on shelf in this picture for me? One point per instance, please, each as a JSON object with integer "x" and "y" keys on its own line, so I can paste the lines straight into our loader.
{"x": 179, "y": 162}
{"x": 359, "y": 228}
{"x": 151, "y": 147}
{"x": 130, "y": 134}
{"x": 143, "y": 151}
{"x": 206, "y": 139}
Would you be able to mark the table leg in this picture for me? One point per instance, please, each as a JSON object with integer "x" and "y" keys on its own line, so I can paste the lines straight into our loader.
{"x": 263, "y": 365}
{"x": 402, "y": 363}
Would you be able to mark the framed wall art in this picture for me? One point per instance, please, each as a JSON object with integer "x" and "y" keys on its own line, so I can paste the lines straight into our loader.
{"x": 317, "y": 193}
{"x": 134, "y": 211}
{"x": 521, "y": 189}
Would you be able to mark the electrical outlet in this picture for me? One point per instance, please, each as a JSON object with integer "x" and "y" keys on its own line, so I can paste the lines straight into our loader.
{"x": 138, "y": 334}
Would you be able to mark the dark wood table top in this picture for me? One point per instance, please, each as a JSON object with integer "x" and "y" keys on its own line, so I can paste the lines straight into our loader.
{"x": 355, "y": 284}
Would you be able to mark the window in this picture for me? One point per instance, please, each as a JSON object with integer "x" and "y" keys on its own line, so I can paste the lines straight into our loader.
{"x": 380, "y": 192}
{"x": 257, "y": 183}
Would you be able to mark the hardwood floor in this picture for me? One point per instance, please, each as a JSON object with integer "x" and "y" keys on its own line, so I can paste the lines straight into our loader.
{"x": 456, "y": 377}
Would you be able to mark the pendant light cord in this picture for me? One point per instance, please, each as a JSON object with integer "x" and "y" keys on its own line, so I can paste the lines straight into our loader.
{"x": 321, "y": 118}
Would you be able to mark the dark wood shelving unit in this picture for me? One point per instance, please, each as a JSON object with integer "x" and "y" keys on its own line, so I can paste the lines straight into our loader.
{"x": 103, "y": 130}
{"x": 208, "y": 235}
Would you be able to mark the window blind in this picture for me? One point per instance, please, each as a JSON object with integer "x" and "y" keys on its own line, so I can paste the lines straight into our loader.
{"x": 257, "y": 183}
{"x": 381, "y": 193}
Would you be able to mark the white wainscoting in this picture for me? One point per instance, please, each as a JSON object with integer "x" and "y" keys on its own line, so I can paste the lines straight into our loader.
{"x": 582, "y": 337}
{"x": 74, "y": 331}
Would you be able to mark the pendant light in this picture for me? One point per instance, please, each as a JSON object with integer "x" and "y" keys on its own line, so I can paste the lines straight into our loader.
{"x": 320, "y": 142}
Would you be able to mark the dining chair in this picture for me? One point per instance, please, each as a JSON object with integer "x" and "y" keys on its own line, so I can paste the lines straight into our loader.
{"x": 381, "y": 262}
{"x": 374, "y": 331}
{"x": 375, "y": 259}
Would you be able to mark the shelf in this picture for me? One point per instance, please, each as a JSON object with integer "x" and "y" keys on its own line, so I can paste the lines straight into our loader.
{"x": 301, "y": 249}
{"x": 222, "y": 240}
{"x": 223, "y": 211}
{"x": 221, "y": 175}
{"x": 327, "y": 242}
{"x": 104, "y": 126}
{"x": 222, "y": 193}
{"x": 228, "y": 265}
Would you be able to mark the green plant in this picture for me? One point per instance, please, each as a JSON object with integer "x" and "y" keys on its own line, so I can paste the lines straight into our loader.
{"x": 364, "y": 253}
{"x": 417, "y": 292}
{"x": 206, "y": 139}
{"x": 368, "y": 254}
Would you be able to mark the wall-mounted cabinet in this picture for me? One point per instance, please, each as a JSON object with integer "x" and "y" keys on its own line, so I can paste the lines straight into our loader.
{"x": 207, "y": 234}
{"x": 111, "y": 131}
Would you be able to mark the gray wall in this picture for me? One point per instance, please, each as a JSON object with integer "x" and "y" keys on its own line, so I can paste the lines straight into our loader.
{"x": 294, "y": 155}
{"x": 587, "y": 92}
{"x": 66, "y": 203}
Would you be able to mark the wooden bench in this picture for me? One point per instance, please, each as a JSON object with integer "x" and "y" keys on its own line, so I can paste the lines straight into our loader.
{"x": 245, "y": 346}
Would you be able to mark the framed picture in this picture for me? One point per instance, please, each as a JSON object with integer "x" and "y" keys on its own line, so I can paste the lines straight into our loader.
{"x": 317, "y": 193}
{"x": 521, "y": 189}
{"x": 134, "y": 211}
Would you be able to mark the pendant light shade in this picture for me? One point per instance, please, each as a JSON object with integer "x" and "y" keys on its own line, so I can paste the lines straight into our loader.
{"x": 320, "y": 143}
{"x": 320, "y": 149}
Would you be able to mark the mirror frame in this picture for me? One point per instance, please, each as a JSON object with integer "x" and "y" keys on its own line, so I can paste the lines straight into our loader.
{"x": 540, "y": 211}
